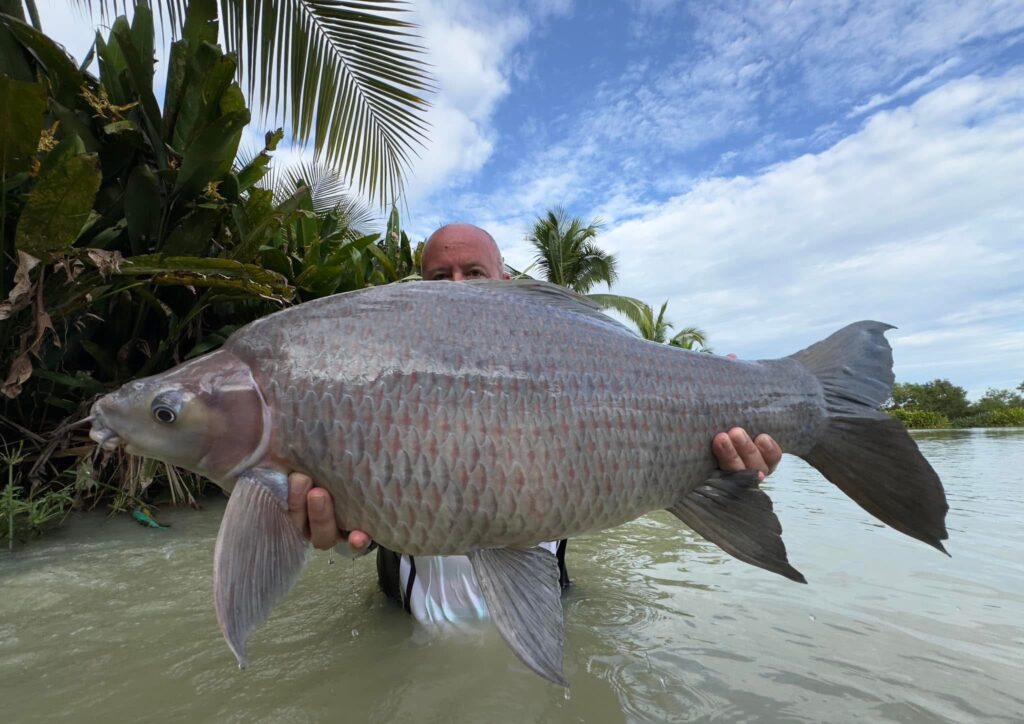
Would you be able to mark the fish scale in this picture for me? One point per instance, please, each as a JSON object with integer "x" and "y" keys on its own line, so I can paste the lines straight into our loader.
{"x": 602, "y": 426}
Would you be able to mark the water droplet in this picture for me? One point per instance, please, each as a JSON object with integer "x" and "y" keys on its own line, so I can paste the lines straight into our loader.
{"x": 812, "y": 617}
{"x": 355, "y": 633}
{"x": 568, "y": 696}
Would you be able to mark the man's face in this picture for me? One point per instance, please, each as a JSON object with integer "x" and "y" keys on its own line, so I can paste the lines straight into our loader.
{"x": 460, "y": 251}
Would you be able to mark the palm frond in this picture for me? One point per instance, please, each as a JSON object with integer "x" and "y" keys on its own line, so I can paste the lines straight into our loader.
{"x": 346, "y": 75}
{"x": 690, "y": 338}
{"x": 632, "y": 309}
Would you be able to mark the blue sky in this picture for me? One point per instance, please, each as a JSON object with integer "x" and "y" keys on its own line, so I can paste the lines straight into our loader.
{"x": 772, "y": 169}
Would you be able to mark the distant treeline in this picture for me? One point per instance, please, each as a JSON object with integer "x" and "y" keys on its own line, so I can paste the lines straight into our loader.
{"x": 940, "y": 403}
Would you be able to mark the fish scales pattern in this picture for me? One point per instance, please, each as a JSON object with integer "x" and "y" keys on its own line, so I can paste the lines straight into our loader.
{"x": 444, "y": 417}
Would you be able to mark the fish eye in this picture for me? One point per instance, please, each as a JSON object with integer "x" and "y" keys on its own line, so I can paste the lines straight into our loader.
{"x": 164, "y": 414}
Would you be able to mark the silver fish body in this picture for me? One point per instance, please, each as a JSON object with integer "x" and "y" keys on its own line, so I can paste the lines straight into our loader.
{"x": 447, "y": 416}
{"x": 481, "y": 418}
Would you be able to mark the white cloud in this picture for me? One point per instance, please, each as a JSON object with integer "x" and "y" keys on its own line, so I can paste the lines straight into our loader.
{"x": 911, "y": 86}
{"x": 914, "y": 220}
{"x": 473, "y": 50}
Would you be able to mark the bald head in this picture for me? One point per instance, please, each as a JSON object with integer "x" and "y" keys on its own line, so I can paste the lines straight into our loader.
{"x": 461, "y": 251}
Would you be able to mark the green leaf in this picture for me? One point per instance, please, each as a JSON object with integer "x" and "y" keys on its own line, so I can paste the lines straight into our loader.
{"x": 60, "y": 203}
{"x": 348, "y": 75}
{"x": 65, "y": 78}
{"x": 21, "y": 122}
{"x": 209, "y": 157}
{"x": 208, "y": 76}
{"x": 224, "y": 274}
{"x": 191, "y": 236}
{"x": 13, "y": 58}
{"x": 384, "y": 261}
{"x": 632, "y": 309}
{"x": 276, "y": 260}
{"x": 113, "y": 67}
{"x": 252, "y": 172}
{"x": 103, "y": 358}
{"x": 76, "y": 122}
{"x": 80, "y": 379}
{"x": 320, "y": 280}
{"x": 143, "y": 206}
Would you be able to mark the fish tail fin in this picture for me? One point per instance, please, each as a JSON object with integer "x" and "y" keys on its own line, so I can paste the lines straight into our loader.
{"x": 864, "y": 452}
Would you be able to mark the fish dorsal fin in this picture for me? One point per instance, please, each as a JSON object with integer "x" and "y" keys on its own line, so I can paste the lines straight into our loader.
{"x": 552, "y": 295}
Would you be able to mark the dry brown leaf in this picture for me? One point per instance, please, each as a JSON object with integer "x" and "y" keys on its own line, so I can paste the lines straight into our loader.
{"x": 107, "y": 262}
{"x": 43, "y": 323}
{"x": 21, "y": 370}
{"x": 22, "y": 291}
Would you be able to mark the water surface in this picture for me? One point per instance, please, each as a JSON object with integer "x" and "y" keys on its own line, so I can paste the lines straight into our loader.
{"x": 108, "y": 621}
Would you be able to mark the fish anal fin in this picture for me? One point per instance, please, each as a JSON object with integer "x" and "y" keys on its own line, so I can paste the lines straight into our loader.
{"x": 258, "y": 557}
{"x": 734, "y": 513}
{"x": 520, "y": 586}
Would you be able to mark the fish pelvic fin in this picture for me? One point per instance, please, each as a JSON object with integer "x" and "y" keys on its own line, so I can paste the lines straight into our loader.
{"x": 258, "y": 557}
{"x": 731, "y": 511}
{"x": 520, "y": 586}
{"x": 864, "y": 452}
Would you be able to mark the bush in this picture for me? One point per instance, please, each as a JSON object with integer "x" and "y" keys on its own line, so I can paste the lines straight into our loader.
{"x": 921, "y": 419}
{"x": 1007, "y": 417}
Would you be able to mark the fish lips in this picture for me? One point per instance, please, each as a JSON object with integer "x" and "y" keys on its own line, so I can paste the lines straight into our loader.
{"x": 101, "y": 433}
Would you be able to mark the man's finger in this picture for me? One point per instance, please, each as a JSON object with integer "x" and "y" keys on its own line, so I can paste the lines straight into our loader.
{"x": 728, "y": 459}
{"x": 299, "y": 485}
{"x": 323, "y": 529}
{"x": 770, "y": 451}
{"x": 358, "y": 540}
{"x": 749, "y": 453}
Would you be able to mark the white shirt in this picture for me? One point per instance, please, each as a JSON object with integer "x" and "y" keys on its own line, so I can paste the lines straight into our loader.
{"x": 445, "y": 591}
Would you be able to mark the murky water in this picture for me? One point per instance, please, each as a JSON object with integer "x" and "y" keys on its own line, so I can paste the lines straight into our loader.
{"x": 107, "y": 621}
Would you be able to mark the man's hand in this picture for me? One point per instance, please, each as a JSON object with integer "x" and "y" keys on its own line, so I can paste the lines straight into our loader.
{"x": 312, "y": 508}
{"x": 312, "y": 511}
{"x": 735, "y": 451}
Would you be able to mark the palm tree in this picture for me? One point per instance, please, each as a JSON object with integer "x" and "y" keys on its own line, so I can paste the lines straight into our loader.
{"x": 653, "y": 328}
{"x": 656, "y": 328}
{"x": 346, "y": 75}
{"x": 567, "y": 253}
{"x": 691, "y": 338}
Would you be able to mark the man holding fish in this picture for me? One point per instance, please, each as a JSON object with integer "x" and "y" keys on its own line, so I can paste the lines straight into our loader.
{"x": 443, "y": 589}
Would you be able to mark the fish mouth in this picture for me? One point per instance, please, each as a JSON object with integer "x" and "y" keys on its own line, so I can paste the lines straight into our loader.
{"x": 105, "y": 438}
{"x": 101, "y": 433}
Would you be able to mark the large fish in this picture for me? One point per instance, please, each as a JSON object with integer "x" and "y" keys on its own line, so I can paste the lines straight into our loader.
{"x": 481, "y": 418}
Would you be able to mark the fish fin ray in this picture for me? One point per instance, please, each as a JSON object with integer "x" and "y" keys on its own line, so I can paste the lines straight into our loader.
{"x": 257, "y": 559}
{"x": 866, "y": 453}
{"x": 523, "y": 599}
{"x": 732, "y": 512}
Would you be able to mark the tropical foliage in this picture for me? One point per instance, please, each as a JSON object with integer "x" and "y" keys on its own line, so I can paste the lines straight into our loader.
{"x": 940, "y": 396}
{"x": 347, "y": 76}
{"x": 567, "y": 253}
{"x": 656, "y": 327}
{"x": 940, "y": 403}
{"x": 133, "y": 240}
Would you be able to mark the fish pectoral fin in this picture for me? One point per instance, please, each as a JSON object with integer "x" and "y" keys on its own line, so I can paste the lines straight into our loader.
{"x": 520, "y": 586}
{"x": 258, "y": 557}
{"x": 734, "y": 513}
